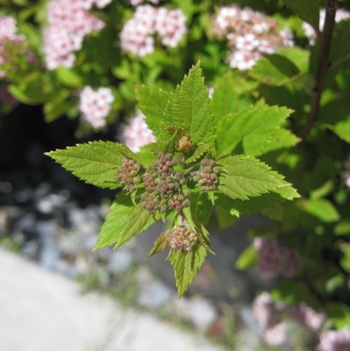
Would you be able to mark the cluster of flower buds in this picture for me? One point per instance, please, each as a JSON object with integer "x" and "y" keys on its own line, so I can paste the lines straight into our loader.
{"x": 181, "y": 238}
{"x": 207, "y": 175}
{"x": 274, "y": 260}
{"x": 250, "y": 35}
{"x": 163, "y": 186}
{"x": 129, "y": 174}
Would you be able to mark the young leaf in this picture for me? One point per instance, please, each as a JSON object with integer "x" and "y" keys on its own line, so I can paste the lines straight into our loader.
{"x": 152, "y": 103}
{"x": 243, "y": 177}
{"x": 95, "y": 162}
{"x": 253, "y": 126}
{"x": 308, "y": 11}
{"x": 159, "y": 245}
{"x": 186, "y": 266}
{"x": 123, "y": 221}
{"x": 190, "y": 108}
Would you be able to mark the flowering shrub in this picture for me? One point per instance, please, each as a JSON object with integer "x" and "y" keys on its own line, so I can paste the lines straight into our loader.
{"x": 273, "y": 138}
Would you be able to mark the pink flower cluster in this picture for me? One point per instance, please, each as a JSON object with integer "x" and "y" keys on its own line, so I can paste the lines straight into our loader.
{"x": 136, "y": 133}
{"x": 138, "y": 2}
{"x": 332, "y": 340}
{"x": 138, "y": 33}
{"x": 69, "y": 22}
{"x": 95, "y": 105}
{"x": 309, "y": 30}
{"x": 250, "y": 35}
{"x": 9, "y": 40}
{"x": 274, "y": 260}
{"x": 271, "y": 319}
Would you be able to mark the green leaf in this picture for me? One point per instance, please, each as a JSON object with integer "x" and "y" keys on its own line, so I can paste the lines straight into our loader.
{"x": 247, "y": 259}
{"x": 198, "y": 152}
{"x": 335, "y": 115}
{"x": 339, "y": 314}
{"x": 159, "y": 245}
{"x": 322, "y": 209}
{"x": 243, "y": 177}
{"x": 275, "y": 70}
{"x": 308, "y": 11}
{"x": 186, "y": 266}
{"x": 190, "y": 108}
{"x": 340, "y": 49}
{"x": 227, "y": 97}
{"x": 68, "y": 77}
{"x": 268, "y": 204}
{"x": 123, "y": 221}
{"x": 95, "y": 162}
{"x": 255, "y": 127}
{"x": 57, "y": 106}
{"x": 152, "y": 103}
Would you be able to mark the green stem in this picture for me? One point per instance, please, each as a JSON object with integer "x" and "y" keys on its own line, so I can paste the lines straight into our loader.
{"x": 322, "y": 66}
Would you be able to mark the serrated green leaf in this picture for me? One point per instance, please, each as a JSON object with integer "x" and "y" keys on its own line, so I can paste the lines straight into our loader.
{"x": 95, "y": 162}
{"x": 186, "y": 266}
{"x": 228, "y": 95}
{"x": 152, "y": 103}
{"x": 322, "y": 209}
{"x": 268, "y": 204}
{"x": 138, "y": 220}
{"x": 198, "y": 152}
{"x": 115, "y": 221}
{"x": 159, "y": 245}
{"x": 123, "y": 221}
{"x": 247, "y": 259}
{"x": 308, "y": 11}
{"x": 190, "y": 108}
{"x": 254, "y": 127}
{"x": 275, "y": 70}
{"x": 243, "y": 177}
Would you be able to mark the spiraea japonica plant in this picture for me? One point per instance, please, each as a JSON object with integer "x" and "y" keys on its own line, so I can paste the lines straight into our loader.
{"x": 205, "y": 157}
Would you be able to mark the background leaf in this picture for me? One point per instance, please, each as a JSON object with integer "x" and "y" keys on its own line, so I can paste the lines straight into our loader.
{"x": 274, "y": 70}
{"x": 308, "y": 11}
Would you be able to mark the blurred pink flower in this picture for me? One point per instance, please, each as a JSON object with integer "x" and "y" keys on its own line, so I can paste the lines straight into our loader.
{"x": 334, "y": 340}
{"x": 274, "y": 260}
{"x": 309, "y": 30}
{"x": 69, "y": 22}
{"x": 136, "y": 133}
{"x": 138, "y": 33}
{"x": 250, "y": 35}
{"x": 9, "y": 40}
{"x": 95, "y": 105}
